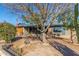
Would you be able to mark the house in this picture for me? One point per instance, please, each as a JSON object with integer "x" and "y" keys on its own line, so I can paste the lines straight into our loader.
{"x": 54, "y": 30}
{"x": 23, "y": 29}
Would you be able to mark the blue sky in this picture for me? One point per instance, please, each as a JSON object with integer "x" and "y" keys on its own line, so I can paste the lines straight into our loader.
{"x": 6, "y": 15}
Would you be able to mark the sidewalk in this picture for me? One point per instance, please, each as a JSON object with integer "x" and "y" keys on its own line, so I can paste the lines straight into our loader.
{"x": 3, "y": 52}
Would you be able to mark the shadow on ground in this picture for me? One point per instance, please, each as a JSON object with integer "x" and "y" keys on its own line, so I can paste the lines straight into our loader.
{"x": 16, "y": 38}
{"x": 64, "y": 49}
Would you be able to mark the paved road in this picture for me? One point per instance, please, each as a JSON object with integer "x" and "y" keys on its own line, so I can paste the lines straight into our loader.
{"x": 64, "y": 49}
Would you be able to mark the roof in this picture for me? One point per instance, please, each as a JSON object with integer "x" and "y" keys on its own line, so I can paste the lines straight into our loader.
{"x": 31, "y": 25}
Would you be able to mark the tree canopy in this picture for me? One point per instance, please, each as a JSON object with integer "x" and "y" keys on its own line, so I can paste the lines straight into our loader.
{"x": 40, "y": 14}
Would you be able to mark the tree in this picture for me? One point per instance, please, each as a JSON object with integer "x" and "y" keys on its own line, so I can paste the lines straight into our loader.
{"x": 75, "y": 21}
{"x": 41, "y": 14}
{"x": 69, "y": 25}
{"x": 67, "y": 18}
{"x": 7, "y": 31}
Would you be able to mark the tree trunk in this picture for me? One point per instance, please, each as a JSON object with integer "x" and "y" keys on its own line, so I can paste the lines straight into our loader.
{"x": 77, "y": 34}
{"x": 44, "y": 37}
{"x": 71, "y": 35}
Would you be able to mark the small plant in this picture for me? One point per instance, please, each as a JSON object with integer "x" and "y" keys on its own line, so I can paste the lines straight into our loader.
{"x": 18, "y": 50}
{"x": 26, "y": 41}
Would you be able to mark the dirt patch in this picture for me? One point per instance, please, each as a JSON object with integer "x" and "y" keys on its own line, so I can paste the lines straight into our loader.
{"x": 36, "y": 48}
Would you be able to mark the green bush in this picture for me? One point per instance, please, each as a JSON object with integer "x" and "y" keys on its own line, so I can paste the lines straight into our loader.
{"x": 7, "y": 31}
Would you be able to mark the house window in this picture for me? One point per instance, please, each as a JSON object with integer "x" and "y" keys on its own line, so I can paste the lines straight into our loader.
{"x": 57, "y": 29}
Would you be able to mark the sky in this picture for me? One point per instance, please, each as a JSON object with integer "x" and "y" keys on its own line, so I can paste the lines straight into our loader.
{"x": 7, "y": 15}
